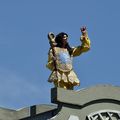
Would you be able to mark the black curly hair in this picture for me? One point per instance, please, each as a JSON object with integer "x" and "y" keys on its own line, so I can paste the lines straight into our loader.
{"x": 58, "y": 40}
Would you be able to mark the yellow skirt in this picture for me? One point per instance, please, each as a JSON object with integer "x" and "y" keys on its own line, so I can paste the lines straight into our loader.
{"x": 64, "y": 77}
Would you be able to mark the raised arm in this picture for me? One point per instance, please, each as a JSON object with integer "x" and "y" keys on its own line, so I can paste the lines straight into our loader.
{"x": 85, "y": 46}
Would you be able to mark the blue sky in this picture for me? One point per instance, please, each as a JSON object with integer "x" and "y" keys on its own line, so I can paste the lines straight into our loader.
{"x": 24, "y": 25}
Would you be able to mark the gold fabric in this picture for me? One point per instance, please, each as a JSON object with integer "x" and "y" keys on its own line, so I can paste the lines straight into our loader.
{"x": 65, "y": 74}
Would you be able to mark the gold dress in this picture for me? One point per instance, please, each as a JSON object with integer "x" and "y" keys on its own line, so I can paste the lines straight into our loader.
{"x": 65, "y": 76}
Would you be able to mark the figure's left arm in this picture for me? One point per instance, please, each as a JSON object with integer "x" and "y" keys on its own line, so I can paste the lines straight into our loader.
{"x": 85, "y": 46}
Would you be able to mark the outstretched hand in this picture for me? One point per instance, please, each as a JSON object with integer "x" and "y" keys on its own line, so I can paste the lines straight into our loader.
{"x": 83, "y": 30}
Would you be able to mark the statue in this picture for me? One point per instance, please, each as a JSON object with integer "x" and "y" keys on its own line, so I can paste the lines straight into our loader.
{"x": 60, "y": 59}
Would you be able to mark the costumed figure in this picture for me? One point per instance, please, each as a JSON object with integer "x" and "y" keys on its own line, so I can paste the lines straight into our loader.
{"x": 60, "y": 59}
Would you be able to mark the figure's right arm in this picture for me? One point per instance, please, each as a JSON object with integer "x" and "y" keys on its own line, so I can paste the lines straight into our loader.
{"x": 50, "y": 64}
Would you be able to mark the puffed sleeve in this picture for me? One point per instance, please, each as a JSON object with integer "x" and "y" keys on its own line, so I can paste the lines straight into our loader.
{"x": 85, "y": 46}
{"x": 50, "y": 64}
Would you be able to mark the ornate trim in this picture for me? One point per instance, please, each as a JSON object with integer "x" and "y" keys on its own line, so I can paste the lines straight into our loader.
{"x": 104, "y": 115}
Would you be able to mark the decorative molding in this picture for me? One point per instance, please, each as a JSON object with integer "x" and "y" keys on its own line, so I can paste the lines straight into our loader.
{"x": 104, "y": 115}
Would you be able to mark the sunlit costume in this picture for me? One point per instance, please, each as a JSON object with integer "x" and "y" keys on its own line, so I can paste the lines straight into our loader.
{"x": 64, "y": 76}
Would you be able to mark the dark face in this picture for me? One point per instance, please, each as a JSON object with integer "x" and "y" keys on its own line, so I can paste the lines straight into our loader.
{"x": 61, "y": 40}
{"x": 64, "y": 40}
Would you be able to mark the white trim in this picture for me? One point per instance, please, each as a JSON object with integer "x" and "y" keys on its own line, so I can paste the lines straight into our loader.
{"x": 99, "y": 113}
